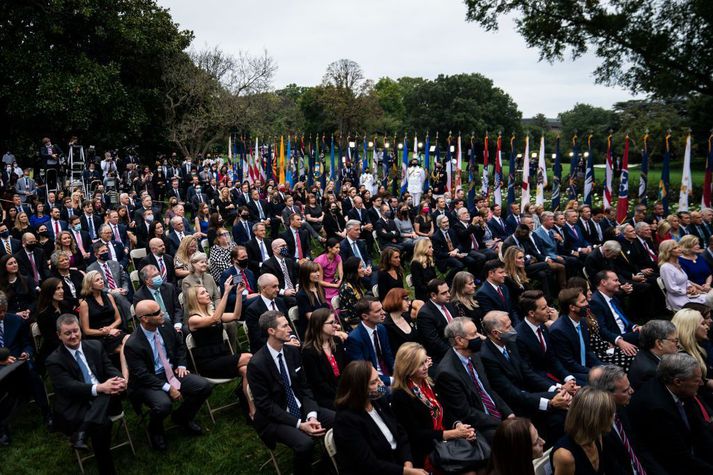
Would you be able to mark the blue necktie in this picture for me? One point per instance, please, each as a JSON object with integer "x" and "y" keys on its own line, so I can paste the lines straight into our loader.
{"x": 620, "y": 314}
{"x": 2, "y": 334}
{"x": 506, "y": 354}
{"x": 582, "y": 351}
{"x": 291, "y": 400}
{"x": 82, "y": 367}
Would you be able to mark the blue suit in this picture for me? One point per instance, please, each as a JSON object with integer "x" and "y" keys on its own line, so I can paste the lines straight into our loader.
{"x": 346, "y": 251}
{"x": 50, "y": 228}
{"x": 360, "y": 347}
{"x": 498, "y": 230}
{"x": 565, "y": 342}
{"x": 240, "y": 235}
{"x": 489, "y": 299}
{"x": 17, "y": 335}
{"x": 511, "y": 224}
{"x": 608, "y": 328}
{"x": 233, "y": 271}
{"x": 574, "y": 239}
{"x": 549, "y": 245}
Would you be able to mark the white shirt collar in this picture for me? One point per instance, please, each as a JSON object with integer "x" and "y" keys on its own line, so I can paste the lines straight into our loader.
{"x": 268, "y": 302}
{"x": 532, "y": 326}
{"x": 576, "y": 324}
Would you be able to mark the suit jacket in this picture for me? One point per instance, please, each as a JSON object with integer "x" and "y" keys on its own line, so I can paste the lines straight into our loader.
{"x": 269, "y": 392}
{"x": 608, "y": 328}
{"x": 498, "y": 230}
{"x": 440, "y": 247}
{"x": 346, "y": 251}
{"x": 50, "y": 228}
{"x": 638, "y": 255}
{"x": 431, "y": 324}
{"x": 548, "y": 246}
{"x": 362, "y": 447}
{"x": 361, "y": 215}
{"x": 122, "y": 234}
{"x": 513, "y": 379}
{"x": 25, "y": 267}
{"x": 96, "y": 221}
{"x": 173, "y": 241}
{"x": 320, "y": 376}
{"x": 678, "y": 448}
{"x": 643, "y": 368}
{"x": 544, "y": 363}
{"x": 86, "y": 241}
{"x": 254, "y": 255}
{"x": 387, "y": 233}
{"x": 464, "y": 233}
{"x": 565, "y": 342}
{"x": 589, "y": 232}
{"x": 240, "y": 235}
{"x": 272, "y": 266}
{"x": 25, "y": 189}
{"x": 121, "y": 278}
{"x": 289, "y": 238}
{"x": 707, "y": 256}
{"x": 415, "y": 417}
{"x": 15, "y": 246}
{"x": 619, "y": 462}
{"x": 169, "y": 295}
{"x": 72, "y": 395}
{"x": 489, "y": 299}
{"x": 359, "y": 347}
{"x": 167, "y": 261}
{"x": 255, "y": 213}
{"x": 252, "y": 316}
{"x": 574, "y": 239}
{"x": 460, "y": 398}
{"x": 122, "y": 255}
{"x": 232, "y": 271}
{"x": 511, "y": 223}
{"x": 17, "y": 335}
{"x": 140, "y": 358}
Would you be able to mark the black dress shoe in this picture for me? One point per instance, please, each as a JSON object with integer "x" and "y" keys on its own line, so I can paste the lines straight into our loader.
{"x": 79, "y": 441}
{"x": 189, "y": 426}
{"x": 158, "y": 441}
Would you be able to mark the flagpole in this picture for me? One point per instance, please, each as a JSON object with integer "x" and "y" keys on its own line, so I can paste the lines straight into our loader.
{"x": 686, "y": 182}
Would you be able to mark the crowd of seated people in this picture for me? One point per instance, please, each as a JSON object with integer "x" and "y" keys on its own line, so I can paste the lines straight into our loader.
{"x": 397, "y": 325}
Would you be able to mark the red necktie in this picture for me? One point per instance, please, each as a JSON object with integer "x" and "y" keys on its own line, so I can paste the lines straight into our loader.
{"x": 35, "y": 274}
{"x": 298, "y": 243}
{"x": 111, "y": 283}
{"x": 475, "y": 242}
{"x": 542, "y": 340}
{"x": 56, "y": 229}
{"x": 162, "y": 268}
{"x": 116, "y": 233}
{"x": 449, "y": 317}
{"x": 500, "y": 293}
{"x": 247, "y": 284}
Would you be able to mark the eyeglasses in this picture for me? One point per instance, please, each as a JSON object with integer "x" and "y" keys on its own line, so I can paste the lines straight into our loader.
{"x": 672, "y": 340}
{"x": 225, "y": 234}
{"x": 154, "y": 314}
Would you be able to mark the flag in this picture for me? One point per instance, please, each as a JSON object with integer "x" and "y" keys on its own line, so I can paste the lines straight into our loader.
{"x": 525, "y": 198}
{"x": 365, "y": 159}
{"x": 472, "y": 172}
{"x": 449, "y": 165}
{"x": 314, "y": 153}
{"x": 427, "y": 162}
{"x": 644, "y": 176}
{"x": 404, "y": 166}
{"x": 246, "y": 160}
{"x": 340, "y": 163}
{"x": 589, "y": 173}
{"x": 282, "y": 160}
{"x": 268, "y": 162}
{"x": 275, "y": 161}
{"x": 511, "y": 172}
{"x": 289, "y": 164}
{"x": 331, "y": 160}
{"x": 498, "y": 175}
{"x": 573, "y": 165}
{"x": 437, "y": 158}
{"x": 541, "y": 173}
{"x": 706, "y": 200}
{"x": 385, "y": 163}
{"x": 459, "y": 164}
{"x": 686, "y": 183}
{"x": 484, "y": 185}
{"x": 556, "y": 177}
{"x": 322, "y": 164}
{"x": 665, "y": 182}
{"x": 622, "y": 204}
{"x": 609, "y": 175}
{"x": 374, "y": 159}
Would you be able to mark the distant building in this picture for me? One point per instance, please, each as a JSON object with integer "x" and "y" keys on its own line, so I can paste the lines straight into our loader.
{"x": 552, "y": 124}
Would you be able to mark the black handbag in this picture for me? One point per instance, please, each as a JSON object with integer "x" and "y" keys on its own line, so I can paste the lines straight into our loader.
{"x": 460, "y": 455}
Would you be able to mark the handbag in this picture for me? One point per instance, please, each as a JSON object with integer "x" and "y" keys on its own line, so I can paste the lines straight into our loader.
{"x": 460, "y": 455}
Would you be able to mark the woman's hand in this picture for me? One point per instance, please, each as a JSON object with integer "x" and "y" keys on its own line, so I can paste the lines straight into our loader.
{"x": 228, "y": 286}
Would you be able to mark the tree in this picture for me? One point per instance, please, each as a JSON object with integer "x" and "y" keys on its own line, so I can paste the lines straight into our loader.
{"x": 663, "y": 48}
{"x": 637, "y": 116}
{"x": 585, "y": 118}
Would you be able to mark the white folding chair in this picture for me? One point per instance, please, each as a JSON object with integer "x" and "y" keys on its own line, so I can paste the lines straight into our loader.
{"x": 135, "y": 280}
{"x": 542, "y": 465}
{"x": 375, "y": 291}
{"x": 120, "y": 417}
{"x": 376, "y": 242}
{"x": 292, "y": 316}
{"x": 335, "y": 302}
{"x": 409, "y": 281}
{"x": 136, "y": 255}
{"x": 273, "y": 457}
{"x": 662, "y": 286}
{"x": 205, "y": 246}
{"x": 331, "y": 448}
{"x": 190, "y": 345}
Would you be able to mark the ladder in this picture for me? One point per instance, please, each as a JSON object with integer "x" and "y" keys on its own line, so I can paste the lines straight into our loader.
{"x": 77, "y": 166}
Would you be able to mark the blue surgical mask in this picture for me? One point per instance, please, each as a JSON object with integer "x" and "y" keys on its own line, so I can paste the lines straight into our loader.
{"x": 380, "y": 392}
{"x": 77, "y": 227}
{"x": 157, "y": 281}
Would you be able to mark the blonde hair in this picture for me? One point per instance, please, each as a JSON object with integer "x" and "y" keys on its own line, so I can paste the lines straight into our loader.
{"x": 192, "y": 305}
{"x": 419, "y": 253}
{"x": 410, "y": 356}
{"x": 58, "y": 242}
{"x": 688, "y": 242}
{"x": 87, "y": 282}
{"x": 457, "y": 294}
{"x": 665, "y": 249}
{"x": 686, "y": 322}
{"x": 663, "y": 227}
{"x": 17, "y": 219}
{"x": 182, "y": 251}
{"x": 590, "y": 415}
{"x": 511, "y": 269}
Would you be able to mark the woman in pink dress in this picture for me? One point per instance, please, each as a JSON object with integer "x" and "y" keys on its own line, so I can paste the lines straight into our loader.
{"x": 330, "y": 264}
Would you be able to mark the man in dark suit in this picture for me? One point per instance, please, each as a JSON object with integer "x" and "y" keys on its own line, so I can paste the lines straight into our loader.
{"x": 512, "y": 221}
{"x": 534, "y": 343}
{"x": 614, "y": 326}
{"x": 90, "y": 221}
{"x": 526, "y": 392}
{"x": 286, "y": 411}
{"x": 369, "y": 340}
{"x": 359, "y": 213}
{"x": 388, "y": 234}
{"x": 462, "y": 385}
{"x": 19, "y": 206}
{"x": 469, "y": 235}
{"x": 176, "y": 235}
{"x": 32, "y": 261}
{"x": 117, "y": 251}
{"x": 433, "y": 317}
{"x": 285, "y": 269}
{"x": 269, "y": 299}
{"x": 55, "y": 225}
{"x": 656, "y": 339}
{"x": 84, "y": 381}
{"x": 346, "y": 247}
{"x": 259, "y": 211}
{"x": 445, "y": 250}
{"x": 81, "y": 238}
{"x": 624, "y": 451}
{"x": 586, "y": 225}
{"x": 164, "y": 293}
{"x": 156, "y": 359}
{"x": 259, "y": 248}
{"x": 493, "y": 294}
{"x": 242, "y": 228}
{"x": 239, "y": 268}
{"x": 158, "y": 257}
{"x": 640, "y": 249}
{"x": 497, "y": 225}
{"x": 118, "y": 230}
{"x": 244, "y": 195}
{"x": 297, "y": 239}
{"x": 574, "y": 241}
{"x": 8, "y": 244}
{"x": 667, "y": 420}
{"x": 570, "y": 336}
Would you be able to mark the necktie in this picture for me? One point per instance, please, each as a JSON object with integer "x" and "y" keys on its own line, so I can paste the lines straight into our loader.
{"x": 500, "y": 293}
{"x": 68, "y": 280}
{"x": 247, "y": 229}
{"x": 506, "y": 354}
{"x": 288, "y": 281}
{"x": 82, "y": 367}
{"x": 117, "y": 237}
{"x": 474, "y": 241}
{"x": 541, "y": 338}
{"x": 448, "y": 315}
{"x": 200, "y": 197}
{"x": 245, "y": 280}
{"x": 259, "y": 208}
{"x": 70, "y": 212}
{"x": 159, "y": 300}
{"x": 380, "y": 355}
{"x": 574, "y": 230}
{"x": 78, "y": 238}
{"x": 292, "y": 405}
{"x": 355, "y": 249}
{"x": 682, "y": 412}
{"x": 620, "y": 314}
{"x": 635, "y": 464}
{"x": 90, "y": 222}
{"x": 298, "y": 245}
{"x": 8, "y": 248}
{"x": 273, "y": 306}
{"x": 263, "y": 251}
{"x": 652, "y": 254}
{"x": 582, "y": 350}
{"x": 161, "y": 267}
{"x": 488, "y": 403}
{"x": 35, "y": 274}
{"x": 180, "y": 237}
{"x": 56, "y": 229}
{"x": 2, "y": 334}
{"x": 168, "y": 372}
{"x": 110, "y": 282}
{"x": 551, "y": 234}
{"x": 448, "y": 241}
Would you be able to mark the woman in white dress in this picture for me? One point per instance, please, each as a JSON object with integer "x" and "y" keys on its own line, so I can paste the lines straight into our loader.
{"x": 679, "y": 289}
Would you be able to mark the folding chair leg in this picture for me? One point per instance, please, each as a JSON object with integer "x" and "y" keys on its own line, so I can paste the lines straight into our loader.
{"x": 79, "y": 460}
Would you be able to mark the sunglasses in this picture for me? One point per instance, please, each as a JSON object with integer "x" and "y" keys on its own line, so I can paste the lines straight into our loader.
{"x": 154, "y": 314}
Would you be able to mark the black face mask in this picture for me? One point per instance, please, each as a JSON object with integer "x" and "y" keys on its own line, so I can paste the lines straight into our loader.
{"x": 475, "y": 344}
{"x": 245, "y": 216}
{"x": 31, "y": 246}
{"x": 242, "y": 263}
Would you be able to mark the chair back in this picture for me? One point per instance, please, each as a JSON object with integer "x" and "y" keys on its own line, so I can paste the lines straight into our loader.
{"x": 331, "y": 448}
{"x": 542, "y": 465}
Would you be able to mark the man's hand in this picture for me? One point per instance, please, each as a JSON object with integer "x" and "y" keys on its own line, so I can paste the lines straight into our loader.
{"x": 112, "y": 386}
{"x": 24, "y": 356}
{"x": 627, "y": 348}
{"x": 174, "y": 394}
{"x": 294, "y": 342}
{"x": 627, "y": 288}
{"x": 570, "y": 386}
{"x": 648, "y": 271}
{"x": 181, "y": 372}
{"x": 289, "y": 292}
{"x": 312, "y": 428}
{"x": 638, "y": 278}
{"x": 561, "y": 400}
{"x": 10, "y": 360}
{"x": 453, "y": 253}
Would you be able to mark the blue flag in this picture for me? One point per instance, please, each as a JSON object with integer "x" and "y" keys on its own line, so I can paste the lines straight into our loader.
{"x": 664, "y": 183}
{"x": 472, "y": 172}
{"x": 427, "y": 162}
{"x": 404, "y": 167}
{"x": 289, "y": 175}
{"x": 332, "y": 165}
{"x": 589, "y": 174}
{"x": 365, "y": 159}
{"x": 644, "y": 176}
{"x": 573, "y": 165}
{"x": 557, "y": 177}
{"x": 511, "y": 173}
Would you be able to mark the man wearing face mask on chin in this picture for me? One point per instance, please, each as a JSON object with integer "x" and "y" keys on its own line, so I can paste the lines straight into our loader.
{"x": 240, "y": 273}
{"x": 164, "y": 293}
{"x": 463, "y": 386}
{"x": 526, "y": 392}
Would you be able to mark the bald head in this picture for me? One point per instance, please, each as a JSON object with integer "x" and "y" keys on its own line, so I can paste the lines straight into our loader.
{"x": 157, "y": 246}
{"x": 149, "y": 314}
{"x": 277, "y": 244}
{"x": 269, "y": 286}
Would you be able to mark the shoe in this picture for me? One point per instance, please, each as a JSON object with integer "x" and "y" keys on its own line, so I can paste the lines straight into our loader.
{"x": 79, "y": 441}
{"x": 189, "y": 426}
{"x": 158, "y": 442}
{"x": 4, "y": 439}
{"x": 49, "y": 423}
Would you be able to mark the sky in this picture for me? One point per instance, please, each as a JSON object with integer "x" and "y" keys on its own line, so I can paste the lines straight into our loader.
{"x": 391, "y": 38}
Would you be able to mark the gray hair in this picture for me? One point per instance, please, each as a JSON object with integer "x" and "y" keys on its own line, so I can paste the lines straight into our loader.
{"x": 3, "y": 300}
{"x": 176, "y": 220}
{"x": 456, "y": 328}
{"x": 54, "y": 258}
{"x": 640, "y": 226}
{"x": 353, "y": 223}
{"x": 144, "y": 272}
{"x": 605, "y": 377}
{"x": 440, "y": 219}
{"x": 103, "y": 227}
{"x": 262, "y": 280}
{"x": 255, "y": 226}
{"x": 676, "y": 366}
{"x": 269, "y": 320}
{"x": 612, "y": 246}
{"x": 655, "y": 330}
{"x": 546, "y": 214}
{"x": 492, "y": 320}
{"x": 66, "y": 319}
